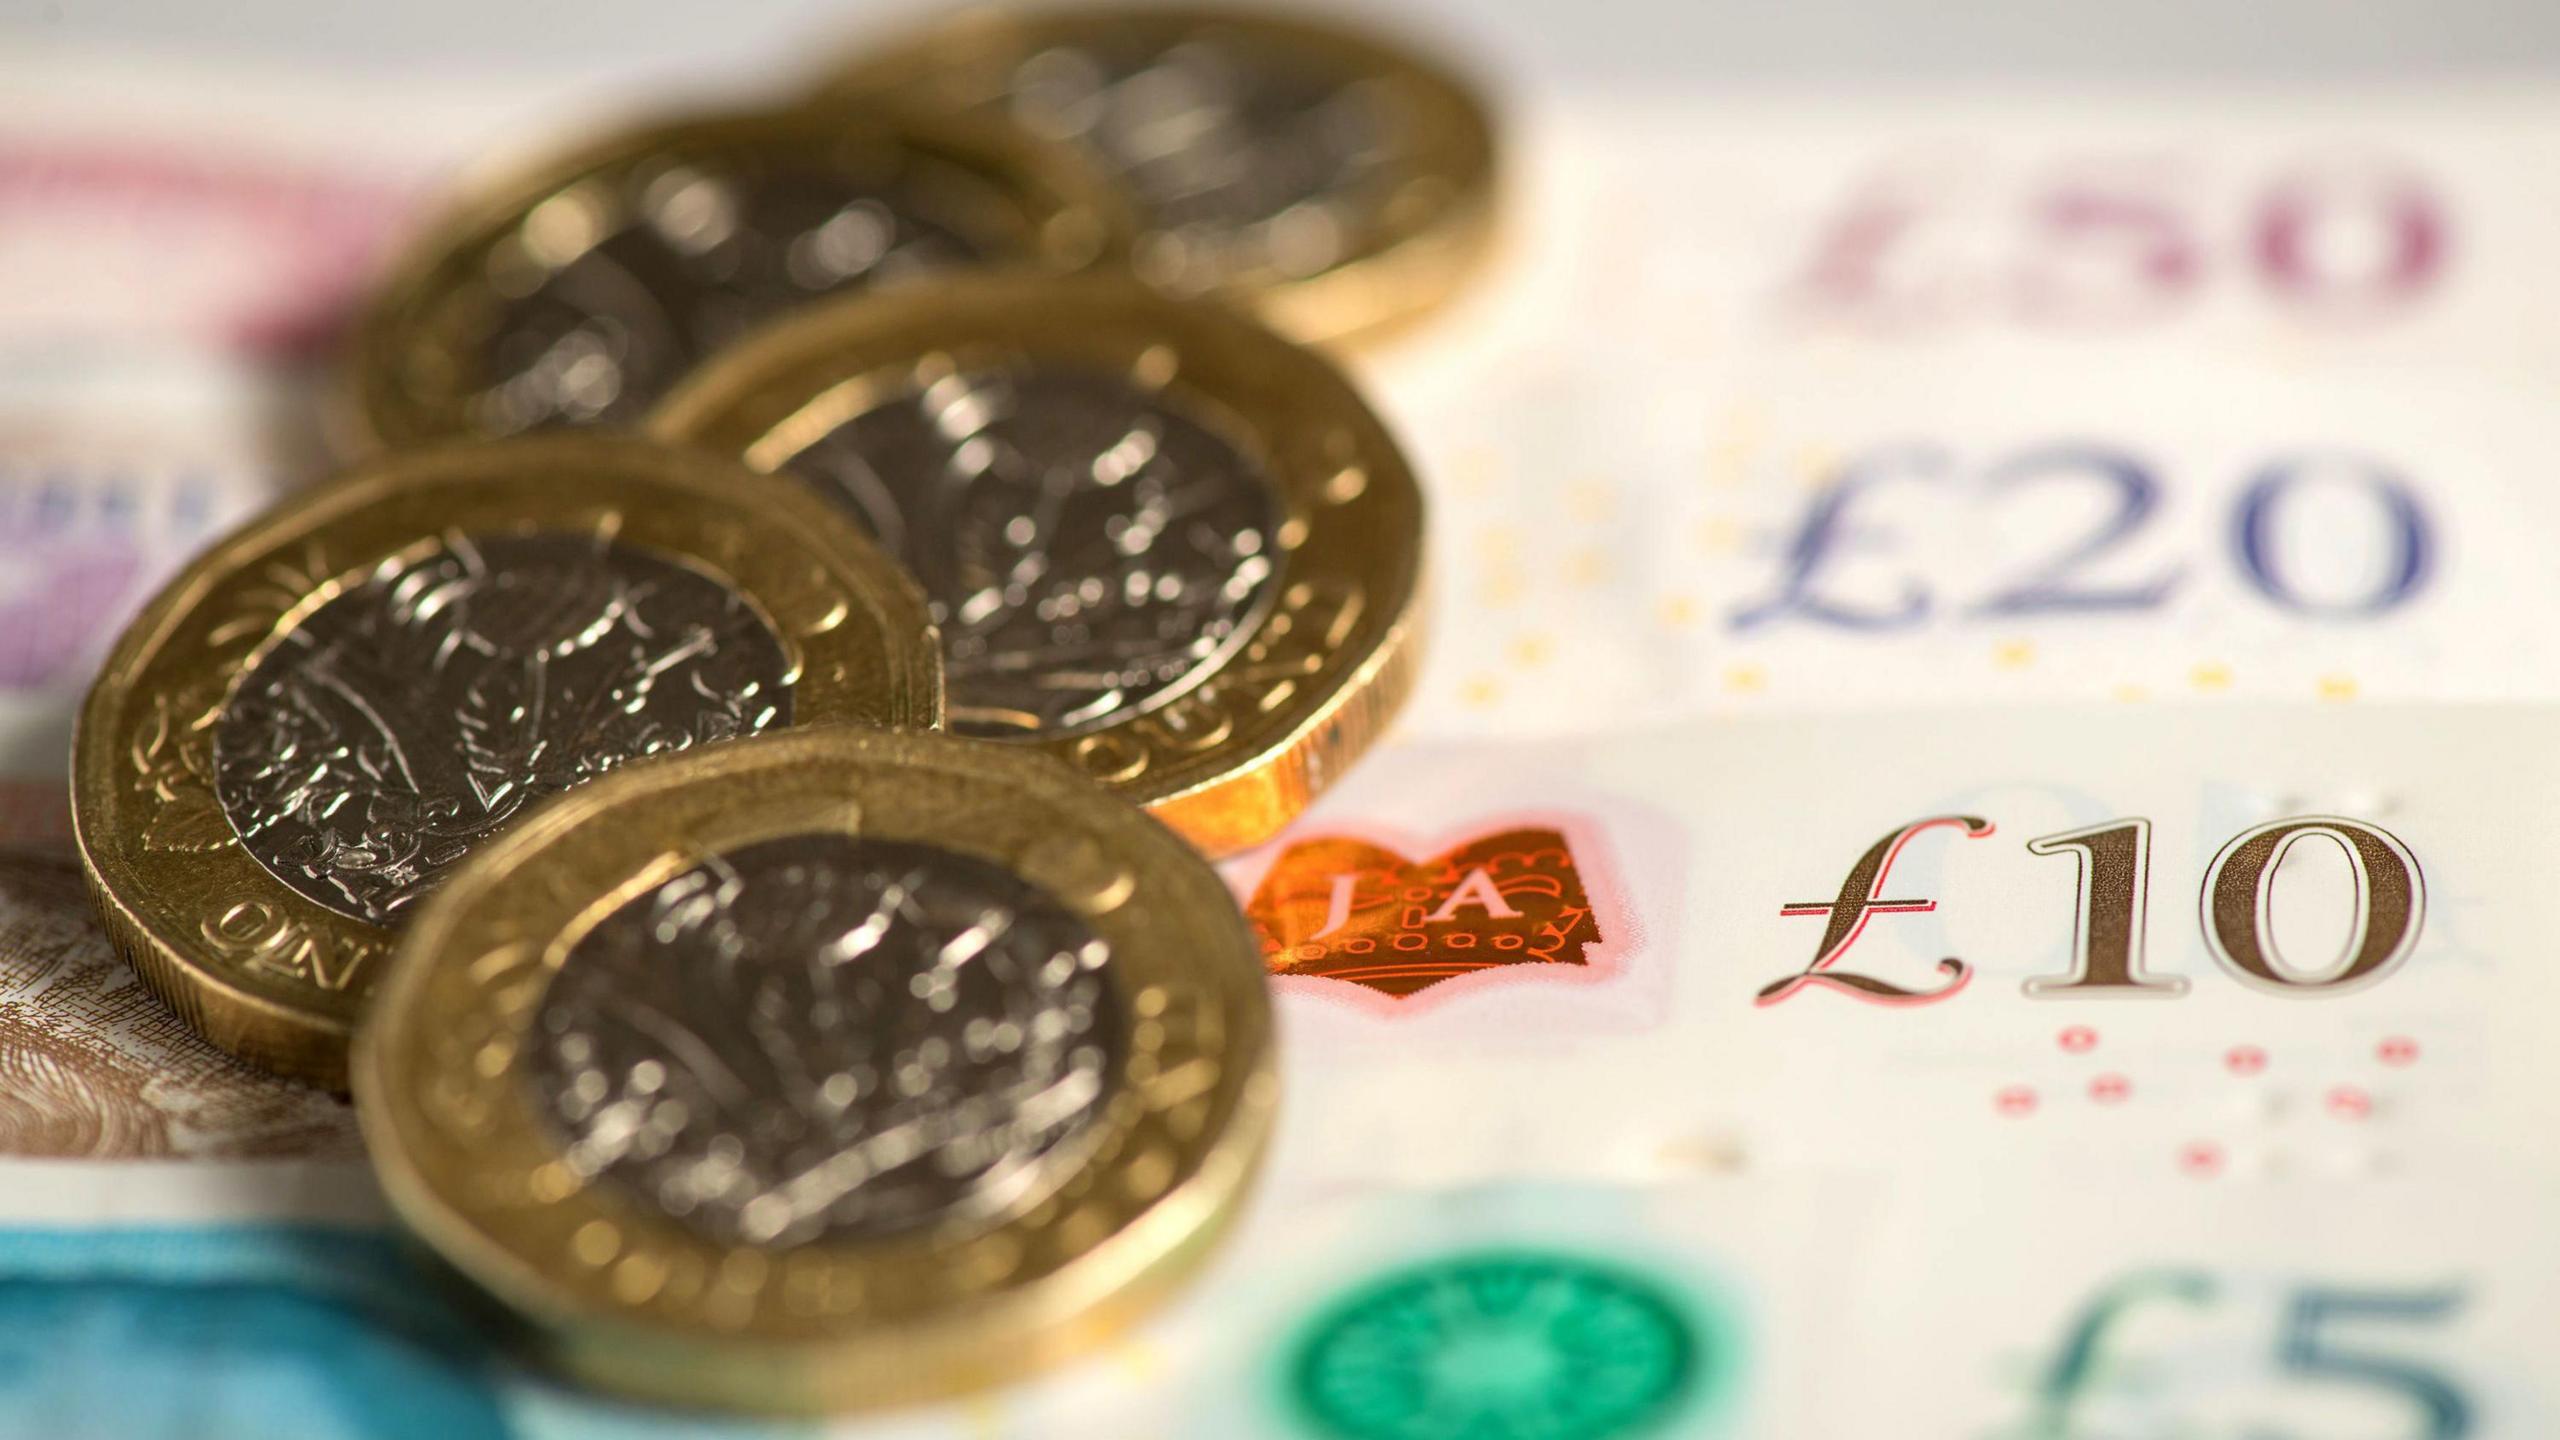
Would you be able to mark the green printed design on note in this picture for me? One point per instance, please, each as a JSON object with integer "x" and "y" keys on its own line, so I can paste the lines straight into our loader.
{"x": 1521, "y": 1344}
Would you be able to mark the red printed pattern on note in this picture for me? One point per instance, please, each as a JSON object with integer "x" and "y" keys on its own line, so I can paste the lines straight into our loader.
{"x": 1346, "y": 909}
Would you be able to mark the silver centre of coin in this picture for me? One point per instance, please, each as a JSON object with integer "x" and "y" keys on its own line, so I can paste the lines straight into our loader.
{"x": 370, "y": 746}
{"x": 1086, "y": 546}
{"x": 1240, "y": 160}
{"x": 698, "y": 259}
{"x": 825, "y": 1037}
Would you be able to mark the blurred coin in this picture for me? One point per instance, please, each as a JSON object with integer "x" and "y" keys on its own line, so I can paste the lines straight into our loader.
{"x": 318, "y": 718}
{"x": 574, "y": 291}
{"x": 823, "y": 1070}
{"x": 1340, "y": 182}
{"x": 1161, "y": 542}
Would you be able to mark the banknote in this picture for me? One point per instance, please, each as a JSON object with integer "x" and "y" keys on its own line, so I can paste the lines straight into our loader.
{"x": 1784, "y": 402}
{"x": 93, "y": 1067}
{"x": 1920, "y": 539}
{"x": 151, "y": 215}
{"x": 2221, "y": 944}
{"x": 180, "y": 271}
{"x": 1528, "y": 1309}
{"x": 2298, "y": 227}
{"x": 104, "y": 492}
{"x": 1973, "y": 1305}
{"x": 260, "y": 1329}
{"x": 2001, "y": 1310}
{"x": 1789, "y": 405}
{"x": 1519, "y": 1308}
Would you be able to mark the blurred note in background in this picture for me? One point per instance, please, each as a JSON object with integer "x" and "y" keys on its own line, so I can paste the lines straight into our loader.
{"x": 92, "y": 1067}
{"x": 1795, "y": 403}
{"x": 182, "y": 242}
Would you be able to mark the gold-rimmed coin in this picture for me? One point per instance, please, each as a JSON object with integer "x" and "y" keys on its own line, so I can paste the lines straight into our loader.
{"x": 321, "y": 715}
{"x": 1161, "y": 542}
{"x": 1337, "y": 181}
{"x": 823, "y": 1070}
{"x": 577, "y": 288}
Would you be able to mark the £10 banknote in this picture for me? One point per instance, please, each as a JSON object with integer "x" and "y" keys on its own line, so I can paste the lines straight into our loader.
{"x": 2059, "y": 1072}
{"x": 2211, "y": 943}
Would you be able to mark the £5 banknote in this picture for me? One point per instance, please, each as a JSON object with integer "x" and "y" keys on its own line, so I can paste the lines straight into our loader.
{"x": 2002, "y": 1308}
{"x": 1977, "y": 1305}
{"x": 1382, "y": 1312}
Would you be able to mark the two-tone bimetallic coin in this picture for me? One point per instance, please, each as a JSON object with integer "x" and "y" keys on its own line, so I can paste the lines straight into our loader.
{"x": 823, "y": 1070}
{"x": 1338, "y": 182}
{"x": 576, "y": 290}
{"x": 1161, "y": 542}
{"x": 301, "y": 734}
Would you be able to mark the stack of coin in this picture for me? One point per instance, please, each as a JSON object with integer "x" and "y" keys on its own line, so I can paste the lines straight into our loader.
{"x": 572, "y": 757}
